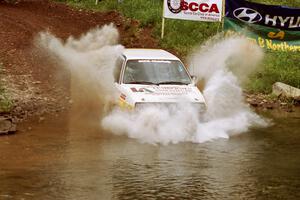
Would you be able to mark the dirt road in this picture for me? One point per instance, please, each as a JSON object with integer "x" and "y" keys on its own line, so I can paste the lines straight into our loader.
{"x": 31, "y": 80}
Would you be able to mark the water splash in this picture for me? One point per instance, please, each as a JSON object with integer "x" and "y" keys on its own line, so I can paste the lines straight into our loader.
{"x": 90, "y": 59}
{"x": 222, "y": 65}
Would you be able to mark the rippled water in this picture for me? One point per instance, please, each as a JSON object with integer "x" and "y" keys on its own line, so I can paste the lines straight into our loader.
{"x": 53, "y": 161}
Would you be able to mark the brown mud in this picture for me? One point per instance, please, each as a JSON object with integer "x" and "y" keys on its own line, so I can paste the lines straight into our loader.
{"x": 36, "y": 84}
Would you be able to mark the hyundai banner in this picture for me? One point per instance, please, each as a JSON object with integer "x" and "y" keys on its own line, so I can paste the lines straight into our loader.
{"x": 274, "y": 28}
{"x": 280, "y": 17}
{"x": 266, "y": 37}
{"x": 197, "y": 10}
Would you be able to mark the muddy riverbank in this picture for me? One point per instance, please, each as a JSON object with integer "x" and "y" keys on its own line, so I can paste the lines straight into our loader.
{"x": 34, "y": 82}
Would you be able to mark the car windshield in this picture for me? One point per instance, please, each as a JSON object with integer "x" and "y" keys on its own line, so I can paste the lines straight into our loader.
{"x": 155, "y": 72}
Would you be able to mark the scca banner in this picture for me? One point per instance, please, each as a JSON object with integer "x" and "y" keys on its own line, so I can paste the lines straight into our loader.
{"x": 280, "y": 17}
{"x": 197, "y": 10}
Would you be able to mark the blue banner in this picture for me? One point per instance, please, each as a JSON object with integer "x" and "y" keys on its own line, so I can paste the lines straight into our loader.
{"x": 280, "y": 17}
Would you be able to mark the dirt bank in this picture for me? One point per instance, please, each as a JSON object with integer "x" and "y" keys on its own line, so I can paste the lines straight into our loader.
{"x": 29, "y": 77}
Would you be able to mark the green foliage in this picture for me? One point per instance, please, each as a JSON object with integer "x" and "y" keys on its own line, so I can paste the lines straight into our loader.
{"x": 277, "y": 66}
{"x": 182, "y": 36}
{"x": 5, "y": 102}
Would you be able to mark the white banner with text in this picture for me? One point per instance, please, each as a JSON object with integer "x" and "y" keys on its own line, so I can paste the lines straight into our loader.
{"x": 196, "y": 10}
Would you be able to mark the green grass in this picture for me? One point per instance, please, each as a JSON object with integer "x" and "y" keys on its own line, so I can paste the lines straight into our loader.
{"x": 5, "y": 102}
{"x": 277, "y": 66}
{"x": 182, "y": 36}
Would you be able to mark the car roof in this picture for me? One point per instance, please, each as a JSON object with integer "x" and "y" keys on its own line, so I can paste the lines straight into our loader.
{"x": 159, "y": 54}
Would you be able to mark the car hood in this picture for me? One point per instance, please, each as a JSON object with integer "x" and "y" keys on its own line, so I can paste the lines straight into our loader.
{"x": 163, "y": 93}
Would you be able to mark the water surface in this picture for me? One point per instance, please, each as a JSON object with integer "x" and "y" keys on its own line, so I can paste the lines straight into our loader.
{"x": 54, "y": 161}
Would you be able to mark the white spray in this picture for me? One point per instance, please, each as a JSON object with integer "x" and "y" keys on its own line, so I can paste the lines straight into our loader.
{"x": 92, "y": 58}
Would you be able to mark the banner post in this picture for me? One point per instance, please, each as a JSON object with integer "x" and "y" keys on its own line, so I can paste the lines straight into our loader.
{"x": 163, "y": 22}
{"x": 223, "y": 13}
{"x": 162, "y": 28}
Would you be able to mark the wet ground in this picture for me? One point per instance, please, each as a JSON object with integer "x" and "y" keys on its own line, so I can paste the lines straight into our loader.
{"x": 54, "y": 161}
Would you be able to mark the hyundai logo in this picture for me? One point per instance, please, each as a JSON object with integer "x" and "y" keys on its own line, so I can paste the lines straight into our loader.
{"x": 247, "y": 15}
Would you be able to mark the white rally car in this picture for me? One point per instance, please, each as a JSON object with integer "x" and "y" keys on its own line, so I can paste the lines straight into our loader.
{"x": 154, "y": 77}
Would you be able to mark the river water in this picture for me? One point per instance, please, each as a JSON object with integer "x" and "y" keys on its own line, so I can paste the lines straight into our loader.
{"x": 54, "y": 161}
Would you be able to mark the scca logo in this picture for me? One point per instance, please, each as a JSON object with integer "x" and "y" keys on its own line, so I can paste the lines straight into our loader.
{"x": 202, "y": 7}
{"x": 247, "y": 15}
{"x": 174, "y": 6}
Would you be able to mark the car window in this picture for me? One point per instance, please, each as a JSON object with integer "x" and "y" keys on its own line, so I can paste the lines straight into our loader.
{"x": 118, "y": 68}
{"x": 155, "y": 71}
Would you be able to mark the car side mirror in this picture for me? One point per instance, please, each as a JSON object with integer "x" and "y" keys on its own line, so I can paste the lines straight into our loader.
{"x": 194, "y": 79}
